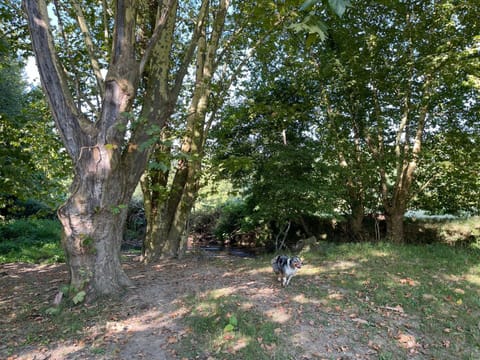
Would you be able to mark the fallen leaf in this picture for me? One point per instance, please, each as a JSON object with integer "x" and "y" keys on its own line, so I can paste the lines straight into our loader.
{"x": 406, "y": 341}
{"x": 360, "y": 321}
{"x": 408, "y": 281}
{"x": 172, "y": 340}
{"x": 228, "y": 336}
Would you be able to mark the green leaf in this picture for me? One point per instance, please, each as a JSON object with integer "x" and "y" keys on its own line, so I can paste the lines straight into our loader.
{"x": 229, "y": 328}
{"x": 65, "y": 289}
{"x": 233, "y": 320}
{"x": 308, "y": 4}
{"x": 155, "y": 165}
{"x": 311, "y": 24}
{"x": 147, "y": 144}
{"x": 52, "y": 311}
{"x": 339, "y": 6}
{"x": 79, "y": 297}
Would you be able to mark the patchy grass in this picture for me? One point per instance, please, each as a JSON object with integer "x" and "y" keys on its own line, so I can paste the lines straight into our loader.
{"x": 368, "y": 301}
{"x": 460, "y": 232}
{"x": 26, "y": 321}
{"x": 383, "y": 301}
{"x": 226, "y": 326}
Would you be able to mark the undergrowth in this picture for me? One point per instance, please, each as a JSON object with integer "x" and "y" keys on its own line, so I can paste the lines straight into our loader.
{"x": 31, "y": 240}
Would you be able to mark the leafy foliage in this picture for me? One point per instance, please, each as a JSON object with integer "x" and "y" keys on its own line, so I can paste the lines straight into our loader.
{"x": 31, "y": 240}
{"x": 383, "y": 103}
{"x": 32, "y": 162}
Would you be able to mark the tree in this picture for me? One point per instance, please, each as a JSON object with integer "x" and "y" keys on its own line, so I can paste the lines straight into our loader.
{"x": 228, "y": 39}
{"x": 168, "y": 215}
{"x": 385, "y": 82}
{"x": 106, "y": 124}
{"x": 263, "y": 145}
{"x": 406, "y": 94}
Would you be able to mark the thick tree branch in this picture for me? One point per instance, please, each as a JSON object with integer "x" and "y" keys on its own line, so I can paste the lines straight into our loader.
{"x": 191, "y": 49}
{"x": 72, "y": 125}
{"x": 122, "y": 77}
{"x": 90, "y": 48}
{"x": 162, "y": 20}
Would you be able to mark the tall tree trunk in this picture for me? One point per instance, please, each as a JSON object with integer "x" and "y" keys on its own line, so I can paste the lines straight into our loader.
{"x": 107, "y": 165}
{"x": 172, "y": 223}
{"x": 351, "y": 170}
{"x": 154, "y": 199}
{"x": 355, "y": 221}
{"x": 395, "y": 200}
{"x": 93, "y": 226}
{"x": 395, "y": 225}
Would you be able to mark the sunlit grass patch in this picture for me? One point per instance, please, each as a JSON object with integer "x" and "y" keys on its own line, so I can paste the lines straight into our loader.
{"x": 434, "y": 289}
{"x": 222, "y": 326}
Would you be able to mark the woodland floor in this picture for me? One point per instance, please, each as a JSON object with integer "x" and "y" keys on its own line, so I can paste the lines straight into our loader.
{"x": 148, "y": 321}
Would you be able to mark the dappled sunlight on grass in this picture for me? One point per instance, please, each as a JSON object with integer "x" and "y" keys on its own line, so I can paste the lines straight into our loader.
{"x": 217, "y": 293}
{"x": 367, "y": 299}
{"x": 143, "y": 321}
{"x": 279, "y": 315}
{"x": 302, "y": 299}
{"x": 311, "y": 270}
{"x": 262, "y": 270}
{"x": 225, "y": 322}
{"x": 474, "y": 279}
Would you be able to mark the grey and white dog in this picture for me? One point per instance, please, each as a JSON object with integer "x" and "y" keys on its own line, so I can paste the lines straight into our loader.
{"x": 286, "y": 267}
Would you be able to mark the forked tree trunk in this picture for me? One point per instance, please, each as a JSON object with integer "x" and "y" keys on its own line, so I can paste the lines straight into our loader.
{"x": 167, "y": 236}
{"x": 93, "y": 223}
{"x": 107, "y": 165}
{"x": 175, "y": 241}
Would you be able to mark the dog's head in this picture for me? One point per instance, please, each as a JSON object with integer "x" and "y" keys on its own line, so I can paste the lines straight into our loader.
{"x": 296, "y": 262}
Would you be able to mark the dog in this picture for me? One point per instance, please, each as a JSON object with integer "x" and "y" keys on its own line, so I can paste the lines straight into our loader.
{"x": 286, "y": 267}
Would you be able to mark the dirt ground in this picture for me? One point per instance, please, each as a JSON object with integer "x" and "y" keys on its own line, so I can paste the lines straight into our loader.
{"x": 147, "y": 322}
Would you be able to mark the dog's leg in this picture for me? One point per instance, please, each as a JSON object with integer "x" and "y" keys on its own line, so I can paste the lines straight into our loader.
{"x": 284, "y": 281}
{"x": 288, "y": 280}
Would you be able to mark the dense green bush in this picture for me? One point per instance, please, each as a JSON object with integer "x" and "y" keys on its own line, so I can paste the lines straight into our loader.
{"x": 31, "y": 240}
{"x": 233, "y": 217}
{"x": 14, "y": 208}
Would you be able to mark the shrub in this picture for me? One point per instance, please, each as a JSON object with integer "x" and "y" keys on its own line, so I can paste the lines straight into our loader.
{"x": 30, "y": 208}
{"x": 31, "y": 240}
{"x": 233, "y": 217}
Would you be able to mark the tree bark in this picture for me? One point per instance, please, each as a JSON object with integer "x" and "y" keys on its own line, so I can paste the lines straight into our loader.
{"x": 395, "y": 226}
{"x": 93, "y": 226}
{"x": 169, "y": 231}
{"x": 355, "y": 221}
{"x": 107, "y": 165}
